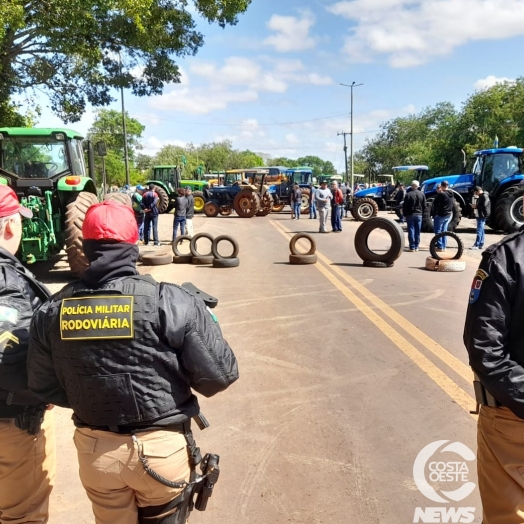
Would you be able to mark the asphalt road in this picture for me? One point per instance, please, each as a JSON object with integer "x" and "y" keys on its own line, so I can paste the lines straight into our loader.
{"x": 347, "y": 373}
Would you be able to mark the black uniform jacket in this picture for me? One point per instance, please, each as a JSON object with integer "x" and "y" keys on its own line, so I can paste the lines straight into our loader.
{"x": 20, "y": 295}
{"x": 176, "y": 345}
{"x": 494, "y": 330}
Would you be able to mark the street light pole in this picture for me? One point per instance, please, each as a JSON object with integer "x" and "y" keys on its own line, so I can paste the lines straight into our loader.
{"x": 345, "y": 154}
{"x": 352, "y": 85}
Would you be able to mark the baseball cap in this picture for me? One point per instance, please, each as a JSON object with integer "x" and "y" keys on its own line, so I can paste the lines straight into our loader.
{"x": 9, "y": 204}
{"x": 415, "y": 183}
{"x": 110, "y": 220}
{"x": 140, "y": 188}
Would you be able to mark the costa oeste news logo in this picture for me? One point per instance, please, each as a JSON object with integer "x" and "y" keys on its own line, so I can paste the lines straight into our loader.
{"x": 444, "y": 480}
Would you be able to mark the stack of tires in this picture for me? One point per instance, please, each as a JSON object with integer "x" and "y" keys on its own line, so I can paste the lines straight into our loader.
{"x": 297, "y": 258}
{"x": 436, "y": 263}
{"x": 213, "y": 257}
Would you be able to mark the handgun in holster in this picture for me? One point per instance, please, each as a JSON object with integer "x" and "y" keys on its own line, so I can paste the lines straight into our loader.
{"x": 482, "y": 396}
{"x": 30, "y": 420}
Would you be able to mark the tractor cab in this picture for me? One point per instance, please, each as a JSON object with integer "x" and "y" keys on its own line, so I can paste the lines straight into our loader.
{"x": 168, "y": 177}
{"x": 493, "y": 167}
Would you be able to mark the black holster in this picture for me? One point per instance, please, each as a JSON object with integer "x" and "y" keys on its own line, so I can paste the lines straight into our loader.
{"x": 174, "y": 512}
{"x": 30, "y": 419}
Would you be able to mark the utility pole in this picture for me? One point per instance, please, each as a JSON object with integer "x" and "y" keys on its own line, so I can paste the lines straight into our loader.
{"x": 124, "y": 127}
{"x": 352, "y": 85}
{"x": 345, "y": 155}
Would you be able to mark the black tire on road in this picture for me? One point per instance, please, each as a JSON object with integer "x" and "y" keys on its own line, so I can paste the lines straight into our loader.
{"x": 454, "y": 236}
{"x": 74, "y": 219}
{"x": 163, "y": 199}
{"x": 372, "y": 263}
{"x": 364, "y": 209}
{"x": 427, "y": 219}
{"x": 509, "y": 216}
{"x": 183, "y": 259}
{"x": 177, "y": 242}
{"x": 224, "y": 238}
{"x": 202, "y": 260}
{"x": 296, "y": 238}
{"x": 300, "y": 260}
{"x": 211, "y": 209}
{"x": 200, "y": 201}
{"x": 157, "y": 260}
{"x": 226, "y": 262}
{"x": 193, "y": 245}
{"x": 395, "y": 233}
{"x": 123, "y": 198}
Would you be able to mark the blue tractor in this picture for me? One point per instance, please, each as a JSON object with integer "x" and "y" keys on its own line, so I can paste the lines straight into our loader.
{"x": 368, "y": 202}
{"x": 499, "y": 172}
{"x": 281, "y": 192}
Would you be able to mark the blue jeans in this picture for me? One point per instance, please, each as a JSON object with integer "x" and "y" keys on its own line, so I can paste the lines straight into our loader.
{"x": 440, "y": 224}
{"x": 179, "y": 221}
{"x": 336, "y": 220}
{"x": 414, "y": 227}
{"x": 479, "y": 241}
{"x": 151, "y": 220}
{"x": 296, "y": 209}
{"x": 312, "y": 210}
{"x": 140, "y": 224}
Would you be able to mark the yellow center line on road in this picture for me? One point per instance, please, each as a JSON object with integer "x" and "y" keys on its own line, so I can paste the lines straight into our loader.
{"x": 458, "y": 395}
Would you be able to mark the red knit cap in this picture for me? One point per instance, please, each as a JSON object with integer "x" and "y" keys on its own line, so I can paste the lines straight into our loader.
{"x": 110, "y": 220}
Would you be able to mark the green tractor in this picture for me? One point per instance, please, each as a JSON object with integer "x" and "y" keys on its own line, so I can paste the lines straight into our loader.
{"x": 46, "y": 169}
{"x": 167, "y": 180}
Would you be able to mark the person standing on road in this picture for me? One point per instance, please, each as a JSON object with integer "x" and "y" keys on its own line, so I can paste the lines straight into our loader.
{"x": 190, "y": 213}
{"x": 414, "y": 205}
{"x": 124, "y": 353}
{"x": 296, "y": 201}
{"x": 482, "y": 212}
{"x": 312, "y": 202}
{"x": 181, "y": 206}
{"x": 27, "y": 432}
{"x": 150, "y": 205}
{"x": 399, "y": 201}
{"x": 442, "y": 211}
{"x": 136, "y": 202}
{"x": 323, "y": 197}
{"x": 493, "y": 336}
{"x": 336, "y": 210}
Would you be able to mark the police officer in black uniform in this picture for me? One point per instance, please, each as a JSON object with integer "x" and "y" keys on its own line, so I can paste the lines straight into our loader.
{"x": 27, "y": 438}
{"x": 494, "y": 338}
{"x": 124, "y": 352}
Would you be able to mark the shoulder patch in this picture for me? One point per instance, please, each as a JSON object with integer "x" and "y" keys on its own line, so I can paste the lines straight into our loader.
{"x": 476, "y": 285}
{"x": 8, "y": 314}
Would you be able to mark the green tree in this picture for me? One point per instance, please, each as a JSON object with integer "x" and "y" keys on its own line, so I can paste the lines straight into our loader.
{"x": 283, "y": 161}
{"x": 78, "y": 51}
{"x": 143, "y": 162}
{"x": 318, "y": 165}
{"x": 107, "y": 127}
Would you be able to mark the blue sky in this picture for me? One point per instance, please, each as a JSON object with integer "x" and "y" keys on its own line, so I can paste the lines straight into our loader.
{"x": 271, "y": 83}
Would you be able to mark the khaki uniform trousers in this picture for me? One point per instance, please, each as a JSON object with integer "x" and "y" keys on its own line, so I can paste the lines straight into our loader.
{"x": 500, "y": 464}
{"x": 114, "y": 478}
{"x": 27, "y": 472}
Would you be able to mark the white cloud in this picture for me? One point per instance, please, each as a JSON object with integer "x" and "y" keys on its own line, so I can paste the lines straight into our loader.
{"x": 291, "y": 33}
{"x": 490, "y": 81}
{"x": 237, "y": 80}
{"x": 413, "y": 32}
{"x": 291, "y": 138}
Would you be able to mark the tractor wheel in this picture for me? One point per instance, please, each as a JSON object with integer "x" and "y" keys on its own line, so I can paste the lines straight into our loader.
{"x": 163, "y": 199}
{"x": 225, "y": 211}
{"x": 211, "y": 209}
{"x": 200, "y": 201}
{"x": 364, "y": 209}
{"x": 266, "y": 205}
{"x": 246, "y": 203}
{"x": 304, "y": 205}
{"x": 427, "y": 220}
{"x": 123, "y": 198}
{"x": 277, "y": 208}
{"x": 74, "y": 219}
{"x": 509, "y": 215}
